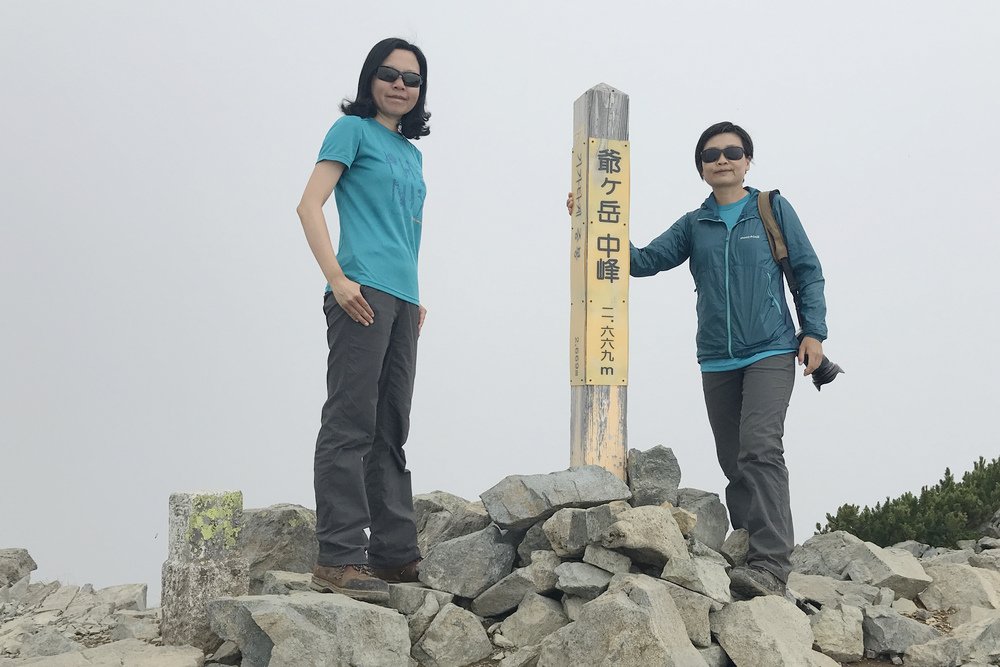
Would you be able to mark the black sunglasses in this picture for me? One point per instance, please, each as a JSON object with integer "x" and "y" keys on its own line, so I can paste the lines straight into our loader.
{"x": 390, "y": 74}
{"x": 731, "y": 153}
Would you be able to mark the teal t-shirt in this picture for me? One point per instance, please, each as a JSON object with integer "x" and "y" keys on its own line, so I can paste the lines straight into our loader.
{"x": 730, "y": 214}
{"x": 380, "y": 201}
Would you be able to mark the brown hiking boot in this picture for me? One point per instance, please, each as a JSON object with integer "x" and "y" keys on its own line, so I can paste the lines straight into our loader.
{"x": 355, "y": 581}
{"x": 401, "y": 573}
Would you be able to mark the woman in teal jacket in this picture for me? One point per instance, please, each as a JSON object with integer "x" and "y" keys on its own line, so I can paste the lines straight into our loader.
{"x": 746, "y": 343}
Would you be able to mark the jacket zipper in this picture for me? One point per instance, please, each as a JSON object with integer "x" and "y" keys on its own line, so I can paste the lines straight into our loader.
{"x": 729, "y": 325}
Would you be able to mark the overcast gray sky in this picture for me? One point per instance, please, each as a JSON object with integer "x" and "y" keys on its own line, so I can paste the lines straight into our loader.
{"x": 160, "y": 312}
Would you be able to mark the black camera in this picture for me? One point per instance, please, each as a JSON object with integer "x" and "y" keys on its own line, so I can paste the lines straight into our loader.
{"x": 825, "y": 373}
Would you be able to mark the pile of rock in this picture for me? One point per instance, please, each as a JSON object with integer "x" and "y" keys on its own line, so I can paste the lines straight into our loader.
{"x": 571, "y": 568}
{"x": 53, "y": 624}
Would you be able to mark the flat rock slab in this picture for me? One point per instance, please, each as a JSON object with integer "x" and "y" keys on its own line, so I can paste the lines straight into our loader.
{"x": 636, "y": 622}
{"x": 129, "y": 652}
{"x": 311, "y": 630}
{"x": 468, "y": 565}
{"x": 767, "y": 631}
{"x": 897, "y": 569}
{"x": 520, "y": 500}
{"x": 582, "y": 580}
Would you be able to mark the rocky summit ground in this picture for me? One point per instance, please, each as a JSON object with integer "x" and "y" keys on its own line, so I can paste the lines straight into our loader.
{"x": 567, "y": 569}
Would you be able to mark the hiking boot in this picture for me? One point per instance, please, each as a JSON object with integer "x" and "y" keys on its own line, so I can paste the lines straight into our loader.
{"x": 355, "y": 581}
{"x": 748, "y": 581}
{"x": 400, "y": 574}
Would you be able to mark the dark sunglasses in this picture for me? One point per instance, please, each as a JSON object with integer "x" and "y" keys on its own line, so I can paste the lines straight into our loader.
{"x": 390, "y": 74}
{"x": 731, "y": 153}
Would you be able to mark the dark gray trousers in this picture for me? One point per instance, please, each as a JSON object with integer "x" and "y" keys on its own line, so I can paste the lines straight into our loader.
{"x": 746, "y": 408}
{"x": 360, "y": 471}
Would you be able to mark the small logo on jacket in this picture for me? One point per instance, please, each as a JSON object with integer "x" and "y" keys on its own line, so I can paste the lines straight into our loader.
{"x": 750, "y": 236}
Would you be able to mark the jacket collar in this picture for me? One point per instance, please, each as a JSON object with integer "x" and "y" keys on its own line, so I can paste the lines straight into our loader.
{"x": 710, "y": 207}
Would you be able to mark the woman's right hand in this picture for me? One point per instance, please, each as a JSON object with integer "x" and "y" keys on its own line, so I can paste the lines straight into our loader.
{"x": 569, "y": 203}
{"x": 348, "y": 295}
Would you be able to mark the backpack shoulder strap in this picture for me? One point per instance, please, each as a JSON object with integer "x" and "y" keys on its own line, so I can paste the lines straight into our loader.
{"x": 774, "y": 236}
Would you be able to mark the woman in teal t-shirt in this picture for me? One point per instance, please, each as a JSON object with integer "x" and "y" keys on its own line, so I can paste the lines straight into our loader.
{"x": 373, "y": 317}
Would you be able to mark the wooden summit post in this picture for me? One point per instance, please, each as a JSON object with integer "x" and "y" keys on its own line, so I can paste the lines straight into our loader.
{"x": 599, "y": 269}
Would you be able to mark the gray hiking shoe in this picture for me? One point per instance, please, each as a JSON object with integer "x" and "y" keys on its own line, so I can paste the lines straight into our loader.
{"x": 748, "y": 581}
{"x": 355, "y": 581}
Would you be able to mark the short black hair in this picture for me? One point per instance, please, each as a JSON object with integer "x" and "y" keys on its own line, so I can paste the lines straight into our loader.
{"x": 721, "y": 128}
{"x": 414, "y": 124}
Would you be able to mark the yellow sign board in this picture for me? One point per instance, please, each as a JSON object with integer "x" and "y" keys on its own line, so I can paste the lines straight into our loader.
{"x": 599, "y": 262}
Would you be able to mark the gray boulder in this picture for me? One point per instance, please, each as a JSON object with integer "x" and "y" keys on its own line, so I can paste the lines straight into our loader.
{"x": 916, "y": 548}
{"x": 279, "y": 537}
{"x": 701, "y": 575}
{"x": 602, "y": 517}
{"x": 47, "y": 641}
{"x": 311, "y": 630}
{"x": 606, "y": 559}
{"x": 826, "y": 555}
{"x": 887, "y": 632}
{"x": 838, "y": 633}
{"x": 15, "y": 564}
{"x": 977, "y": 642}
{"x": 442, "y": 516}
{"x": 533, "y": 540}
{"x": 830, "y": 592}
{"x": 713, "y": 519}
{"x": 536, "y": 618}
{"x": 454, "y": 638}
{"x": 538, "y": 577}
{"x": 892, "y": 568}
{"x": 648, "y": 535}
{"x": 694, "y": 609}
{"x": 988, "y": 560}
{"x": 129, "y": 624}
{"x": 736, "y": 546}
{"x": 582, "y": 580}
{"x": 635, "y": 622}
{"x": 566, "y": 531}
{"x": 520, "y": 500}
{"x": 419, "y": 604}
{"x": 468, "y": 565}
{"x": 992, "y": 527}
{"x": 653, "y": 476}
{"x": 767, "y": 631}
{"x": 960, "y": 587}
{"x": 283, "y": 583}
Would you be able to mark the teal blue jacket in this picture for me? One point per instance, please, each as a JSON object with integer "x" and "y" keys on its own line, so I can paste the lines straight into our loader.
{"x": 742, "y": 308}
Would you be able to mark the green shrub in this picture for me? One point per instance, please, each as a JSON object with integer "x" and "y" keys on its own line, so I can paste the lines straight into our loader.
{"x": 943, "y": 514}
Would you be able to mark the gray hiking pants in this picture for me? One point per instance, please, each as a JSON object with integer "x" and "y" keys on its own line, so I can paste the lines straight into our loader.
{"x": 746, "y": 408}
{"x": 360, "y": 471}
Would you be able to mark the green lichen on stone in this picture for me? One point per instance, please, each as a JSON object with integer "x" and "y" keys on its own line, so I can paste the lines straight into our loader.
{"x": 296, "y": 521}
{"x": 214, "y": 514}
